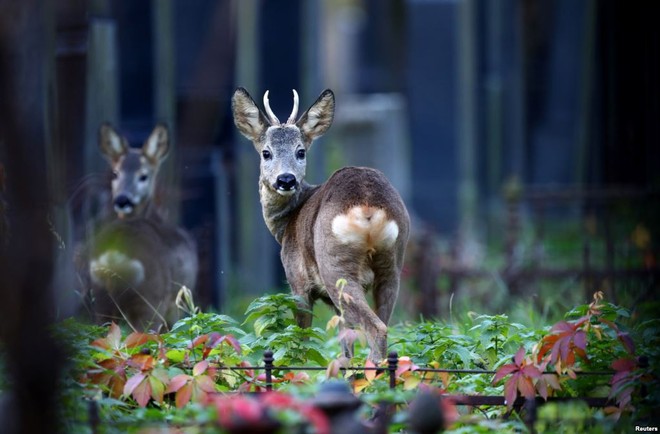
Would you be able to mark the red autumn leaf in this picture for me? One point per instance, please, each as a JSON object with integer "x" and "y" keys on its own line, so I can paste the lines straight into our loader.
{"x": 624, "y": 365}
{"x": 335, "y": 365}
{"x": 143, "y": 362}
{"x": 520, "y": 355}
{"x": 562, "y": 327}
{"x": 542, "y": 388}
{"x": 627, "y": 342}
{"x": 183, "y": 395}
{"x": 116, "y": 386}
{"x": 369, "y": 374}
{"x": 522, "y": 378}
{"x": 234, "y": 343}
{"x": 178, "y": 382}
{"x": 525, "y": 385}
{"x": 205, "y": 383}
{"x": 531, "y": 371}
{"x": 301, "y": 377}
{"x": 547, "y": 343}
{"x": 200, "y": 367}
{"x": 136, "y": 339}
{"x": 333, "y": 369}
{"x": 273, "y": 379}
{"x": 405, "y": 364}
{"x": 133, "y": 382}
{"x": 552, "y": 381}
{"x": 580, "y": 339}
{"x": 510, "y": 393}
{"x": 113, "y": 375}
{"x": 567, "y": 356}
{"x": 565, "y": 342}
{"x": 199, "y": 340}
{"x": 112, "y": 341}
{"x": 504, "y": 371}
{"x": 142, "y": 393}
{"x": 214, "y": 340}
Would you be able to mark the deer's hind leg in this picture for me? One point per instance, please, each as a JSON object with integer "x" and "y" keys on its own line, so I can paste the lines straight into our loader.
{"x": 352, "y": 302}
{"x": 387, "y": 274}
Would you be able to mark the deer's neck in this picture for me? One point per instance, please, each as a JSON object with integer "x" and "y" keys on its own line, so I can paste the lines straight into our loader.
{"x": 278, "y": 210}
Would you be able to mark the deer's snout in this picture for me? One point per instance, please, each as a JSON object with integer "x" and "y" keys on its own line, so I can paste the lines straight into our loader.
{"x": 286, "y": 182}
{"x": 124, "y": 204}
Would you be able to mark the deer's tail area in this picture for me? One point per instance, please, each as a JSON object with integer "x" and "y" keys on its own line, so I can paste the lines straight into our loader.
{"x": 114, "y": 269}
{"x": 366, "y": 226}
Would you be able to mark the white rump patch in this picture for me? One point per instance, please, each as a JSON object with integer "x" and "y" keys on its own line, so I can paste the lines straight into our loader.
{"x": 114, "y": 268}
{"x": 365, "y": 226}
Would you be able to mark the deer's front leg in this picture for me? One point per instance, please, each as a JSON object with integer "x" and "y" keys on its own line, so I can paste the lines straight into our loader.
{"x": 300, "y": 287}
{"x": 304, "y": 314}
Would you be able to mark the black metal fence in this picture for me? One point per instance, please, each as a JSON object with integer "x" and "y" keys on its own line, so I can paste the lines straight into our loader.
{"x": 469, "y": 400}
{"x": 339, "y": 404}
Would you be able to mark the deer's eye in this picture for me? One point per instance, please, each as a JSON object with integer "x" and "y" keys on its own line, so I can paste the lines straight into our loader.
{"x": 300, "y": 154}
{"x": 266, "y": 154}
{"x": 143, "y": 177}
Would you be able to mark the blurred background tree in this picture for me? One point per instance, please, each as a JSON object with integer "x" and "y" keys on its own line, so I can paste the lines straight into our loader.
{"x": 452, "y": 99}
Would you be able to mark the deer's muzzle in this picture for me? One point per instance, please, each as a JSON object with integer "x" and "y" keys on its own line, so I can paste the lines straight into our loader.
{"x": 124, "y": 204}
{"x": 286, "y": 182}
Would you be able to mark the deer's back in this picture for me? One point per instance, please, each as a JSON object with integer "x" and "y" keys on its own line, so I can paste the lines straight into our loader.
{"x": 357, "y": 209}
{"x": 351, "y": 186}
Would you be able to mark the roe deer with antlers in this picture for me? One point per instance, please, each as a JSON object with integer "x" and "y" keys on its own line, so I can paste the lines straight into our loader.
{"x": 353, "y": 227}
{"x": 135, "y": 265}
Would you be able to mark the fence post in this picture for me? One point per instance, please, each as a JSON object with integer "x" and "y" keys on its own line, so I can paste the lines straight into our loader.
{"x": 268, "y": 365}
{"x": 93, "y": 413}
{"x": 530, "y": 414}
{"x": 392, "y": 363}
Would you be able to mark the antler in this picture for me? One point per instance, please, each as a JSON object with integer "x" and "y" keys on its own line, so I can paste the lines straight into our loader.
{"x": 271, "y": 116}
{"x": 294, "y": 112}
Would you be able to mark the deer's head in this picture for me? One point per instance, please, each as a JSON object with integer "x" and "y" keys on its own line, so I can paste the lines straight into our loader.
{"x": 283, "y": 146}
{"x": 134, "y": 170}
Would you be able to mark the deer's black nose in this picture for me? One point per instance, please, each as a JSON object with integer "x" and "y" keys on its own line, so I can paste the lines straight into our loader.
{"x": 123, "y": 202}
{"x": 286, "y": 181}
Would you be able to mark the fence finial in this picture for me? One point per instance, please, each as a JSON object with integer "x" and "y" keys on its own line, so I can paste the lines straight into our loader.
{"x": 268, "y": 366}
{"x": 392, "y": 364}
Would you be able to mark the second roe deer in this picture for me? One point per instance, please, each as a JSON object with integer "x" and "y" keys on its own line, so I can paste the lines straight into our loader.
{"x": 353, "y": 227}
{"x": 134, "y": 265}
{"x": 134, "y": 170}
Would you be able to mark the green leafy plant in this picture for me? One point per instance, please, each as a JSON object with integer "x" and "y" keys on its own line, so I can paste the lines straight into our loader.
{"x": 180, "y": 378}
{"x": 276, "y": 329}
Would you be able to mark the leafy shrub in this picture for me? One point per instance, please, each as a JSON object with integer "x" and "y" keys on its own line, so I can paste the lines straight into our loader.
{"x": 179, "y": 378}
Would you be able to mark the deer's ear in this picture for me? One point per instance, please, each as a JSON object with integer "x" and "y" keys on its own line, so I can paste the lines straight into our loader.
{"x": 318, "y": 118}
{"x": 157, "y": 145}
{"x": 112, "y": 145}
{"x": 249, "y": 120}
